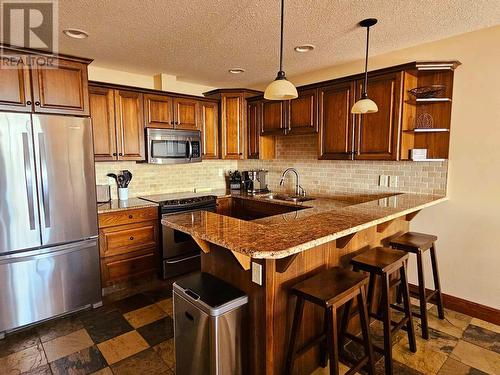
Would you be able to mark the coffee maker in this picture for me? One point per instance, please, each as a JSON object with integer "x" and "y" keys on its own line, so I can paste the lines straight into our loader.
{"x": 255, "y": 181}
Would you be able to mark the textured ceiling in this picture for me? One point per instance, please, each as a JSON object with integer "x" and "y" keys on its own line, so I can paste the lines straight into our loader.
{"x": 199, "y": 40}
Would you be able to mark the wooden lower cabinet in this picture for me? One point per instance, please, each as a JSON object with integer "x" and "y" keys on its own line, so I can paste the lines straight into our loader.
{"x": 128, "y": 244}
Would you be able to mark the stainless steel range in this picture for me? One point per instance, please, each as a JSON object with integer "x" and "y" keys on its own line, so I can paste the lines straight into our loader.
{"x": 180, "y": 253}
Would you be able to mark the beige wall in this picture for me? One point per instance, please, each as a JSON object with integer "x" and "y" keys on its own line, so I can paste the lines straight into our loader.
{"x": 165, "y": 82}
{"x": 468, "y": 225}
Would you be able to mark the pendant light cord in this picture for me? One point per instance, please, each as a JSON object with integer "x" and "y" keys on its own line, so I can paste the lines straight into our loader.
{"x": 281, "y": 42}
{"x": 366, "y": 62}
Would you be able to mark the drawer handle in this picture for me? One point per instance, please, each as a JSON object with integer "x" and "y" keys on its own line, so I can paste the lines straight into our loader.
{"x": 130, "y": 217}
{"x": 189, "y": 316}
{"x": 131, "y": 238}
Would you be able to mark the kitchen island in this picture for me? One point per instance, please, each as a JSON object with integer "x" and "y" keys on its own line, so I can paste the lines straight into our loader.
{"x": 290, "y": 242}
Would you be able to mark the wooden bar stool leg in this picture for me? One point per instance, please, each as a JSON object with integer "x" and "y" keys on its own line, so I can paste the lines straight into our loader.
{"x": 437, "y": 283}
{"x": 323, "y": 345}
{"x": 297, "y": 319}
{"x": 407, "y": 306}
{"x": 344, "y": 323}
{"x": 332, "y": 340}
{"x": 422, "y": 295}
{"x": 386, "y": 319}
{"x": 371, "y": 288}
{"x": 365, "y": 328}
{"x": 399, "y": 295}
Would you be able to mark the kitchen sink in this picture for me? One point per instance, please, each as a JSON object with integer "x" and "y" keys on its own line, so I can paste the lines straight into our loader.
{"x": 289, "y": 198}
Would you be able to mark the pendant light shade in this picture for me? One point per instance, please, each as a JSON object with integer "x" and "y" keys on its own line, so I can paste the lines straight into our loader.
{"x": 365, "y": 104}
{"x": 281, "y": 88}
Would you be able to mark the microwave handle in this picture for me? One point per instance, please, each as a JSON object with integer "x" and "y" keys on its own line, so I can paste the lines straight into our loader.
{"x": 190, "y": 148}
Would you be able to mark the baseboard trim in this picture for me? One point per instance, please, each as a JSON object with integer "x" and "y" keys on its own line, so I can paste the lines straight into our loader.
{"x": 476, "y": 310}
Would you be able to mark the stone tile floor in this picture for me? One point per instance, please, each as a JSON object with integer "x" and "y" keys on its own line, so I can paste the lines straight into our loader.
{"x": 133, "y": 334}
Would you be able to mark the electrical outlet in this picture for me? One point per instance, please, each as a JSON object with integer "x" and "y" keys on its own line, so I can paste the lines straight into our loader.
{"x": 111, "y": 181}
{"x": 393, "y": 181}
{"x": 257, "y": 273}
{"x": 383, "y": 180}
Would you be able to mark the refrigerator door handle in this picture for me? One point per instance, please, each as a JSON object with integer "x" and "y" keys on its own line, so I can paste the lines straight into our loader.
{"x": 44, "y": 179}
{"x": 28, "y": 179}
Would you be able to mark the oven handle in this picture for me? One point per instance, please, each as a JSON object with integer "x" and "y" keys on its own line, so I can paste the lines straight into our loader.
{"x": 182, "y": 260}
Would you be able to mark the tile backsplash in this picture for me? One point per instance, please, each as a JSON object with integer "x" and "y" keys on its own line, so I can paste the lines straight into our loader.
{"x": 157, "y": 179}
{"x": 324, "y": 177}
{"x": 318, "y": 177}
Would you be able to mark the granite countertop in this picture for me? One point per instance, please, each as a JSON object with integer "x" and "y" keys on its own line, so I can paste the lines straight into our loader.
{"x": 118, "y": 205}
{"x": 322, "y": 220}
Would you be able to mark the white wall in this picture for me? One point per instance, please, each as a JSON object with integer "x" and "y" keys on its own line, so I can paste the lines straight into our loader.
{"x": 468, "y": 225}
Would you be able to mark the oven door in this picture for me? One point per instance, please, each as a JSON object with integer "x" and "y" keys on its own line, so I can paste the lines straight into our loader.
{"x": 166, "y": 146}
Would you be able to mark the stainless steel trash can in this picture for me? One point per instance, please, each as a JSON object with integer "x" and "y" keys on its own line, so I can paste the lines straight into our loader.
{"x": 208, "y": 319}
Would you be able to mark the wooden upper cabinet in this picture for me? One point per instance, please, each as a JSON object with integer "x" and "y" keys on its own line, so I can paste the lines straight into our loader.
{"x": 158, "y": 111}
{"x": 254, "y": 111}
{"x": 336, "y": 121}
{"x": 273, "y": 118}
{"x": 15, "y": 90}
{"x": 129, "y": 125}
{"x": 186, "y": 114}
{"x": 210, "y": 130}
{"x": 233, "y": 126}
{"x": 302, "y": 113}
{"x": 102, "y": 110}
{"x": 377, "y": 134}
{"x": 61, "y": 90}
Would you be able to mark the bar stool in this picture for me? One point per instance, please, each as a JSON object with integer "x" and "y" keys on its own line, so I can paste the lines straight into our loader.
{"x": 418, "y": 244}
{"x": 384, "y": 262}
{"x": 331, "y": 289}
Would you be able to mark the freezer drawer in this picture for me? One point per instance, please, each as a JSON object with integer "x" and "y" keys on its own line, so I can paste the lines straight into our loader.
{"x": 41, "y": 284}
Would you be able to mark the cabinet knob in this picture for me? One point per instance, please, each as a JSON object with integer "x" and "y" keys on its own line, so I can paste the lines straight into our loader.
{"x": 28, "y": 102}
{"x": 131, "y": 238}
{"x": 114, "y": 153}
{"x": 120, "y": 154}
{"x": 130, "y": 217}
{"x": 177, "y": 123}
{"x": 37, "y": 103}
{"x": 171, "y": 122}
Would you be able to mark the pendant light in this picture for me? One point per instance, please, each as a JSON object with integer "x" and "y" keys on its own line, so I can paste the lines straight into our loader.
{"x": 281, "y": 88}
{"x": 365, "y": 105}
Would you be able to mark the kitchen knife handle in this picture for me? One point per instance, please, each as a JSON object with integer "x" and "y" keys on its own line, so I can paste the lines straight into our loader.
{"x": 28, "y": 178}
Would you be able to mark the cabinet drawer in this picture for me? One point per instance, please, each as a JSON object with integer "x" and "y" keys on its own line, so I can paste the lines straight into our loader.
{"x": 128, "y": 238}
{"x": 124, "y": 268}
{"x": 110, "y": 219}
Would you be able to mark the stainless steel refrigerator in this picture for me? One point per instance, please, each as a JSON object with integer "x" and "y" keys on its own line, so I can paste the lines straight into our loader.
{"x": 49, "y": 256}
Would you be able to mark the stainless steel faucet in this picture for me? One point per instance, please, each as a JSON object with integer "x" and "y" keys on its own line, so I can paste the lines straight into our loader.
{"x": 299, "y": 190}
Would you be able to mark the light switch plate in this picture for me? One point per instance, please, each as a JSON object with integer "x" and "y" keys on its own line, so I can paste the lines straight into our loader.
{"x": 257, "y": 273}
{"x": 383, "y": 180}
{"x": 393, "y": 181}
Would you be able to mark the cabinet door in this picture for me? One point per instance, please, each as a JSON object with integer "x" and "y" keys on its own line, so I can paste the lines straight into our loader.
{"x": 210, "y": 130}
{"x": 158, "y": 111}
{"x": 233, "y": 126}
{"x": 129, "y": 125}
{"x": 302, "y": 113}
{"x": 377, "y": 134}
{"x": 15, "y": 91}
{"x": 254, "y": 111}
{"x": 273, "y": 120}
{"x": 102, "y": 111}
{"x": 186, "y": 114}
{"x": 61, "y": 90}
{"x": 336, "y": 121}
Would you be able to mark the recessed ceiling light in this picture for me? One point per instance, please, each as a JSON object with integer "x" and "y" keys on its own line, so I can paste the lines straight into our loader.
{"x": 236, "y": 70}
{"x": 76, "y": 33}
{"x": 304, "y": 48}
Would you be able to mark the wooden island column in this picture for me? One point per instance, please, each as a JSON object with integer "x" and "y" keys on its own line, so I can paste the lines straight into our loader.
{"x": 270, "y": 307}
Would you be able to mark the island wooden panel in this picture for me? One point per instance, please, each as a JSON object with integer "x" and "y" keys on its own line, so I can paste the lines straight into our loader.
{"x": 270, "y": 308}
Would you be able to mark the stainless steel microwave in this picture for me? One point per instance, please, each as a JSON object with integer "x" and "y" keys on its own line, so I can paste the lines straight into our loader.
{"x": 167, "y": 146}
